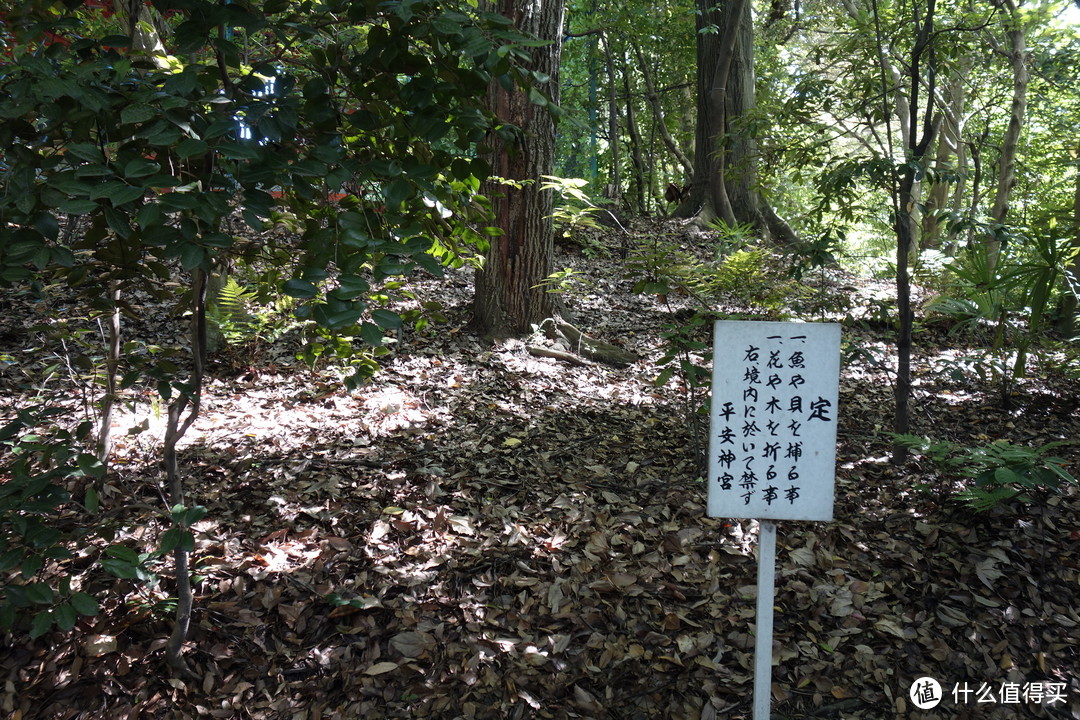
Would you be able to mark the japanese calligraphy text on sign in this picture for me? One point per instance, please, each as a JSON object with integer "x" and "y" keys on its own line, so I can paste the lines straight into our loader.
{"x": 772, "y": 444}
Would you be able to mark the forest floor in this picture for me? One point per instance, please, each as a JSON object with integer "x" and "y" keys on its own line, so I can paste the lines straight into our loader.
{"x": 480, "y": 533}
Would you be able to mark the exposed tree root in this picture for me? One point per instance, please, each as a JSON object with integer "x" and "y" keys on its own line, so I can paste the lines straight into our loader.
{"x": 559, "y": 339}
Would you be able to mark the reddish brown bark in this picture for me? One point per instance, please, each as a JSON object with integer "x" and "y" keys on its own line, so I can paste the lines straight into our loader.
{"x": 508, "y": 299}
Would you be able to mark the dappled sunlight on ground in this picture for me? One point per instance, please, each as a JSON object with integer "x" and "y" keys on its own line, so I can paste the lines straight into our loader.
{"x": 483, "y": 533}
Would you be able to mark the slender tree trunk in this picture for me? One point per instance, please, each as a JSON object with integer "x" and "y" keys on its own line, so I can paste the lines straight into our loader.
{"x": 182, "y": 412}
{"x": 635, "y": 144}
{"x": 902, "y": 390}
{"x": 1019, "y": 57}
{"x": 1074, "y": 268}
{"x": 658, "y": 114}
{"x": 919, "y": 130}
{"x": 974, "y": 149}
{"x": 508, "y": 299}
{"x": 950, "y": 153}
{"x": 112, "y": 366}
{"x": 613, "y": 122}
{"x": 1070, "y": 299}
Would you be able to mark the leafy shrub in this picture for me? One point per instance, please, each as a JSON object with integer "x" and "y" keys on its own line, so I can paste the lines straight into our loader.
{"x": 241, "y": 320}
{"x": 1007, "y": 303}
{"x": 998, "y": 473}
{"x": 730, "y": 238}
{"x": 574, "y": 210}
{"x": 36, "y": 589}
{"x": 749, "y": 277}
{"x": 752, "y": 277}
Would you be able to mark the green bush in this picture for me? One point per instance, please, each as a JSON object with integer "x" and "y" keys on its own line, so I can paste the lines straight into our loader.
{"x": 237, "y": 314}
{"x": 997, "y": 473}
{"x": 37, "y": 458}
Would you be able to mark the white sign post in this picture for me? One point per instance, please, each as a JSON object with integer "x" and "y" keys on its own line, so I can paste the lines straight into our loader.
{"x": 772, "y": 444}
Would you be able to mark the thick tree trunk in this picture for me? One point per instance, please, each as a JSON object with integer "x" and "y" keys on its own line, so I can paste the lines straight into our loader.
{"x": 725, "y": 180}
{"x": 1019, "y": 56}
{"x": 145, "y": 26}
{"x": 508, "y": 299}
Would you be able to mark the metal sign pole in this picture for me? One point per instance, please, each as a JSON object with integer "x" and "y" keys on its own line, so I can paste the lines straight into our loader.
{"x": 766, "y": 582}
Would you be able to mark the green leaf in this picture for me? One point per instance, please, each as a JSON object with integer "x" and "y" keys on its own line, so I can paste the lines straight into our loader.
{"x": 194, "y": 256}
{"x": 46, "y": 224}
{"x": 68, "y": 184}
{"x": 11, "y": 559}
{"x": 84, "y": 604}
{"x": 40, "y": 536}
{"x": 351, "y": 286}
{"x": 372, "y": 334}
{"x": 178, "y": 201}
{"x": 337, "y": 319}
{"x": 39, "y": 593}
{"x": 397, "y": 192}
{"x": 92, "y": 501}
{"x": 386, "y": 319}
{"x": 238, "y": 151}
{"x": 192, "y": 147}
{"x": 31, "y": 565}
{"x": 90, "y": 465}
{"x": 140, "y": 168}
{"x": 137, "y": 113}
{"x": 120, "y": 568}
{"x": 309, "y": 168}
{"x": 85, "y": 151}
{"x": 298, "y": 288}
{"x": 40, "y": 625}
{"x": 1004, "y": 476}
{"x": 65, "y": 616}
{"x": 77, "y": 206}
{"x": 93, "y": 170}
{"x": 118, "y": 221}
{"x": 171, "y": 538}
{"x": 194, "y": 515}
{"x": 122, "y": 553}
{"x": 149, "y": 214}
{"x": 391, "y": 266}
{"x": 63, "y": 257}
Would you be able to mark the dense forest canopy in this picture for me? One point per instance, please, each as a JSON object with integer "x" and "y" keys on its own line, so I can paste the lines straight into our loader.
{"x": 202, "y": 201}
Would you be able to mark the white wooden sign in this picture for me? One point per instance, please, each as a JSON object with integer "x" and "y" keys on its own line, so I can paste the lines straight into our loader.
{"x": 772, "y": 440}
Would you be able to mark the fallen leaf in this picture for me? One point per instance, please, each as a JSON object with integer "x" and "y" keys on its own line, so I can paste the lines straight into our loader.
{"x": 381, "y": 668}
{"x": 98, "y": 645}
{"x": 412, "y": 644}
